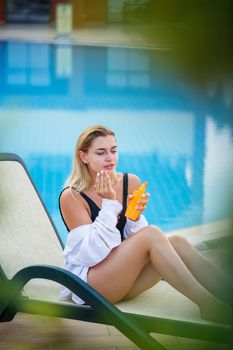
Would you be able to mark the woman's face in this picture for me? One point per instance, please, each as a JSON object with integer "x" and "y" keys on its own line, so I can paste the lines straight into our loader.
{"x": 101, "y": 155}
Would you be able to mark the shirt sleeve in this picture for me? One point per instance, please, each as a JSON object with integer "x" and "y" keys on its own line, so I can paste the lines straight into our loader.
{"x": 89, "y": 244}
{"x": 132, "y": 227}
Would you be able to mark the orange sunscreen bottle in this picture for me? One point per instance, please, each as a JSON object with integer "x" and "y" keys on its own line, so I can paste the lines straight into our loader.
{"x": 131, "y": 212}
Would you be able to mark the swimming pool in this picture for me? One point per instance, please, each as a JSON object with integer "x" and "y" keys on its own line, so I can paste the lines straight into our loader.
{"x": 169, "y": 133}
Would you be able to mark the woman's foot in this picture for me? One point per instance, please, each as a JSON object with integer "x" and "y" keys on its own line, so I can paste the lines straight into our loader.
{"x": 217, "y": 311}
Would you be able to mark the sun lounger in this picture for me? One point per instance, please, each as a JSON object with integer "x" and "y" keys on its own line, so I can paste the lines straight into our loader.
{"x": 31, "y": 274}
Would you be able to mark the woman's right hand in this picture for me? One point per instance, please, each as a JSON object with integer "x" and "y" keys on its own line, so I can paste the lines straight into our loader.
{"x": 141, "y": 204}
{"x": 103, "y": 186}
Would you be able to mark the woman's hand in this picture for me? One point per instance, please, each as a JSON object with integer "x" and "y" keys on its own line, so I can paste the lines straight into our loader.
{"x": 103, "y": 186}
{"x": 141, "y": 204}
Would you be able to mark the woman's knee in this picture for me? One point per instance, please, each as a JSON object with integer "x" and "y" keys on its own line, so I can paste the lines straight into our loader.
{"x": 153, "y": 233}
{"x": 178, "y": 241}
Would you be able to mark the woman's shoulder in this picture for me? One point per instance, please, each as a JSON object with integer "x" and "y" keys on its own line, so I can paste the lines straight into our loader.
{"x": 74, "y": 208}
{"x": 133, "y": 182}
{"x": 68, "y": 194}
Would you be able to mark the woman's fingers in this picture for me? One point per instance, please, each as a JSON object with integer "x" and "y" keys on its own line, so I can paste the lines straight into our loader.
{"x": 143, "y": 200}
{"x": 97, "y": 182}
{"x": 104, "y": 179}
{"x": 108, "y": 183}
{"x": 101, "y": 182}
{"x": 105, "y": 184}
{"x": 141, "y": 208}
{"x": 130, "y": 196}
{"x": 141, "y": 204}
{"x": 146, "y": 195}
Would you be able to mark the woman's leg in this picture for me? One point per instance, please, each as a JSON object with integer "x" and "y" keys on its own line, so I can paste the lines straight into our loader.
{"x": 207, "y": 274}
{"x": 128, "y": 260}
{"x": 146, "y": 279}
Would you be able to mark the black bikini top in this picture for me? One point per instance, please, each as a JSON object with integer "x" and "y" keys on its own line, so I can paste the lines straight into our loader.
{"x": 95, "y": 209}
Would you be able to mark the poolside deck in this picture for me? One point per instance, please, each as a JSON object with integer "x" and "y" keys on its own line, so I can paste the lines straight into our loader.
{"x": 146, "y": 36}
{"x": 33, "y": 332}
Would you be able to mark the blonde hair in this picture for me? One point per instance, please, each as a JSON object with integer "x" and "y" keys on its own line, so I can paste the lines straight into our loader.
{"x": 80, "y": 178}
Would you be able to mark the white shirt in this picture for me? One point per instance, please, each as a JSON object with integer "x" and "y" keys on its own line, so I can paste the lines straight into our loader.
{"x": 87, "y": 245}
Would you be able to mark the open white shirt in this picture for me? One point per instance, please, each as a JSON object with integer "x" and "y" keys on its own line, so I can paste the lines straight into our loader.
{"x": 87, "y": 245}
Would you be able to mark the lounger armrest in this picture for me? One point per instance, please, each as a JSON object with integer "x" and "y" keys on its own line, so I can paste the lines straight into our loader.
{"x": 59, "y": 275}
{"x": 101, "y": 305}
{"x": 105, "y": 310}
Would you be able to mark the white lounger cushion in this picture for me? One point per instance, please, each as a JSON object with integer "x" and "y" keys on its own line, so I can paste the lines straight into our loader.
{"x": 27, "y": 236}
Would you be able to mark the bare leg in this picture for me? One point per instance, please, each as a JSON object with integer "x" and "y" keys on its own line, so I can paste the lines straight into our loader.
{"x": 207, "y": 274}
{"x": 128, "y": 260}
{"x": 147, "y": 279}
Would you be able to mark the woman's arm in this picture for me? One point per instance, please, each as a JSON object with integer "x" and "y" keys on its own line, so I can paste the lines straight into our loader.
{"x": 74, "y": 209}
{"x": 89, "y": 242}
{"x": 132, "y": 227}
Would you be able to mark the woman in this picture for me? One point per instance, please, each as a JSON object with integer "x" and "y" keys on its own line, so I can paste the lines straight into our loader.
{"x": 119, "y": 257}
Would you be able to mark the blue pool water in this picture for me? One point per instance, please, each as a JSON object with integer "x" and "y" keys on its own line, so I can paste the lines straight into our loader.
{"x": 171, "y": 133}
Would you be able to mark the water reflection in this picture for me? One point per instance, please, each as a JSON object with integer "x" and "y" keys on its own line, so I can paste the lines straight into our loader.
{"x": 103, "y": 77}
{"x": 175, "y": 135}
{"x": 20, "y": 57}
{"x": 126, "y": 68}
{"x": 64, "y": 62}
